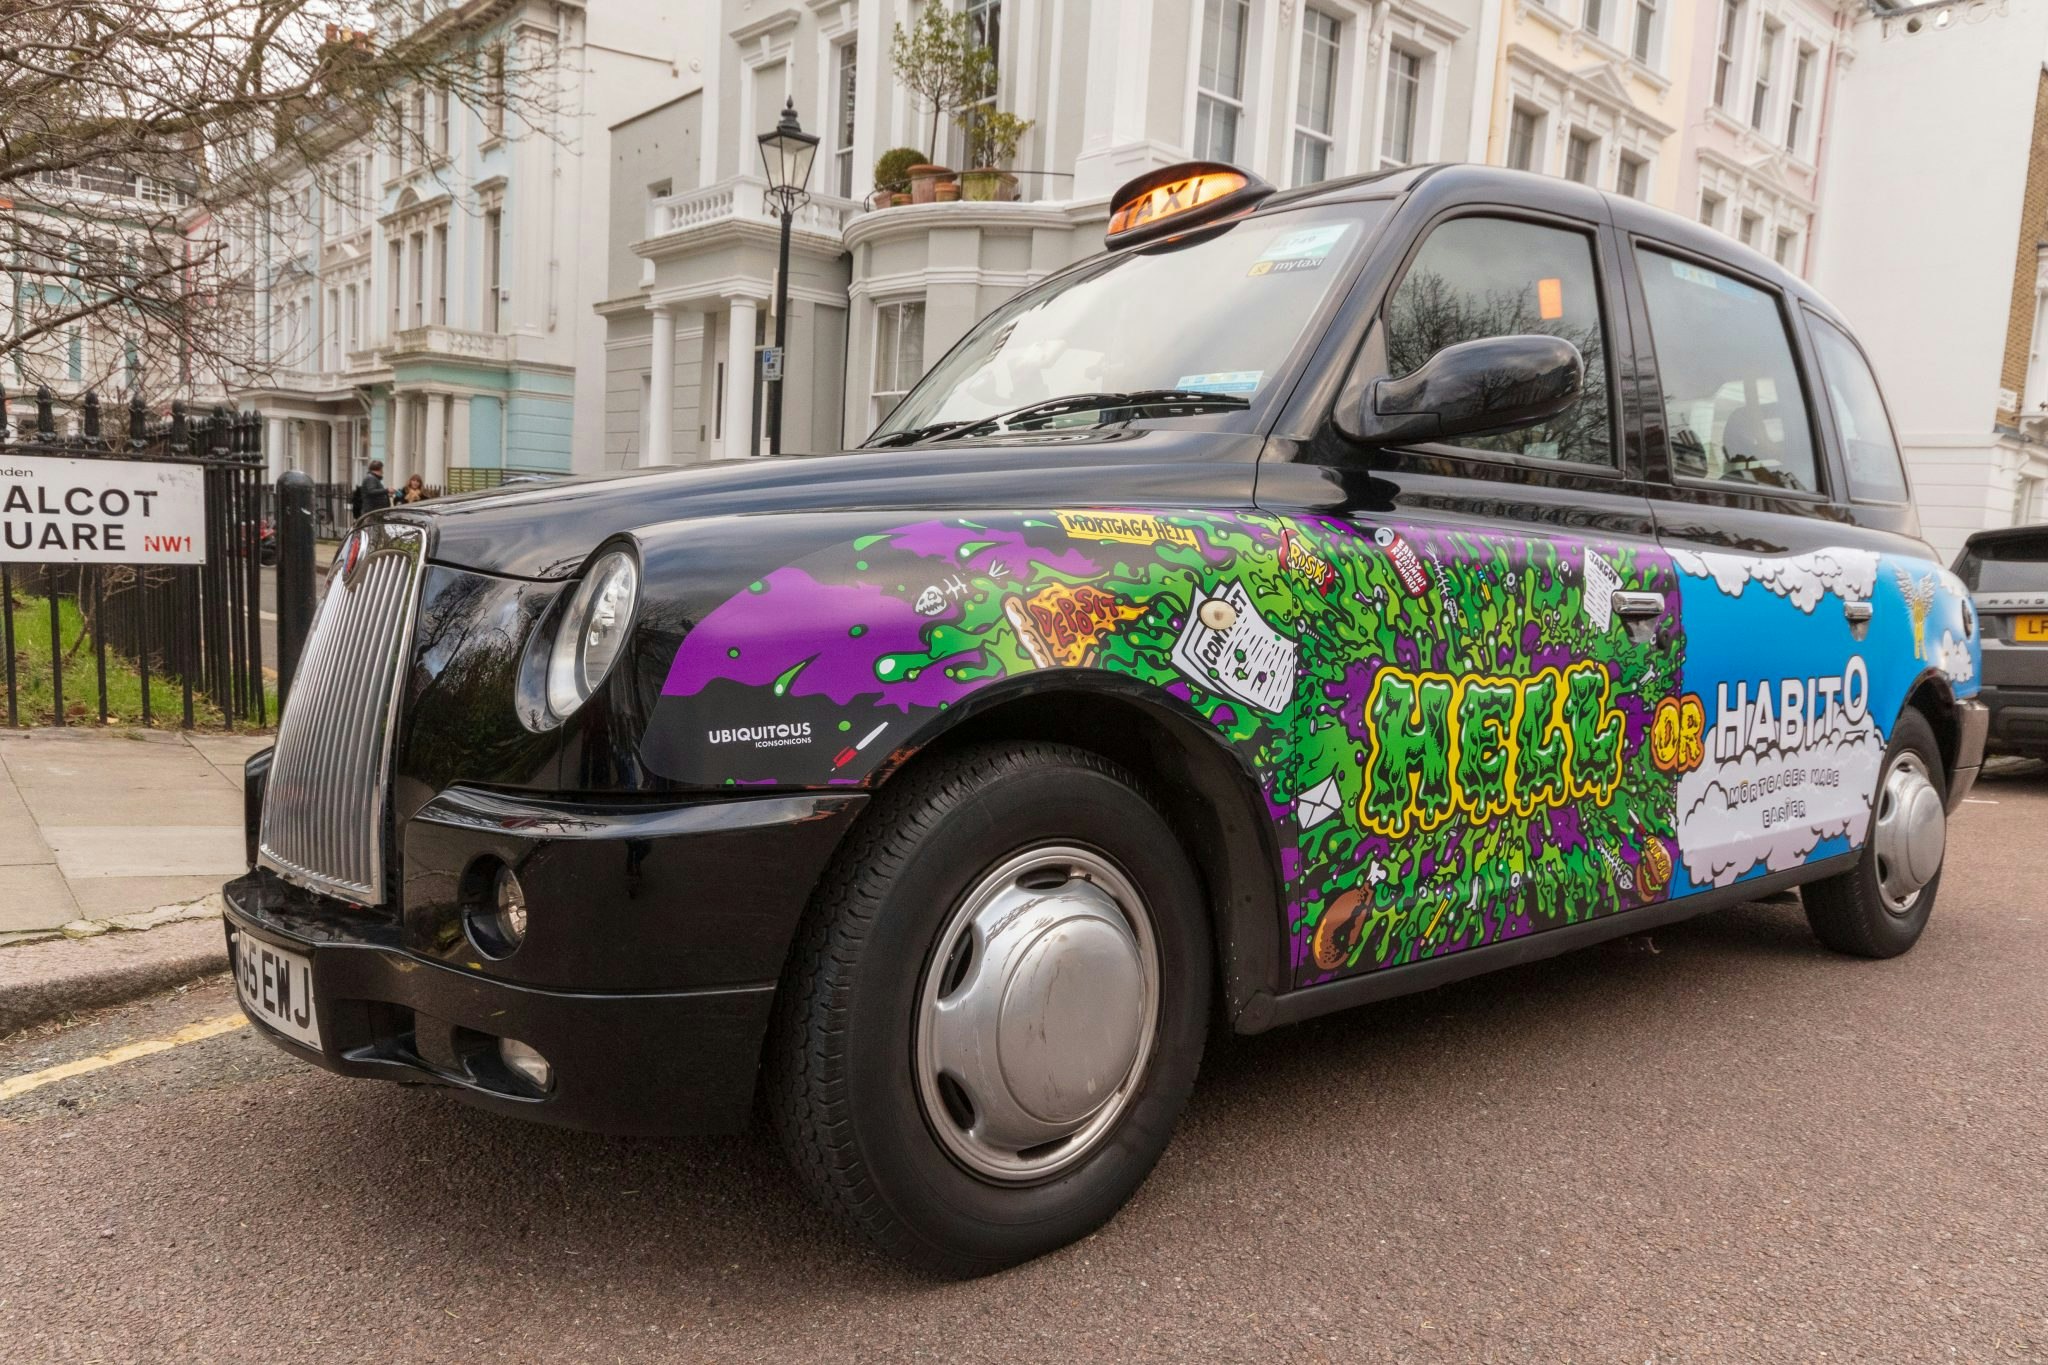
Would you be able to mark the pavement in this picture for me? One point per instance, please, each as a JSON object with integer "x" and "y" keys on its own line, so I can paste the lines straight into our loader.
{"x": 106, "y": 834}
{"x": 1716, "y": 1142}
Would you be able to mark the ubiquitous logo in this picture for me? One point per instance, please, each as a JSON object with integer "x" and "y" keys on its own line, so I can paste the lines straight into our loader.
{"x": 1131, "y": 528}
{"x": 1677, "y": 731}
{"x": 1407, "y": 564}
{"x": 1306, "y": 565}
{"x": 763, "y": 736}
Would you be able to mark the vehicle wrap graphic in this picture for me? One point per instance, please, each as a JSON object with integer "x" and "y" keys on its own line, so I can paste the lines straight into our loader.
{"x": 1458, "y": 738}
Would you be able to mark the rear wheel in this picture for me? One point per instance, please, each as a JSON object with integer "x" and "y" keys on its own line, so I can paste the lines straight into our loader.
{"x": 1879, "y": 907}
{"x": 996, "y": 1010}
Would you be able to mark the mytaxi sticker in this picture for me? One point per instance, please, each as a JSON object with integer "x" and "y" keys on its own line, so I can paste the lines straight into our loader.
{"x": 1550, "y": 299}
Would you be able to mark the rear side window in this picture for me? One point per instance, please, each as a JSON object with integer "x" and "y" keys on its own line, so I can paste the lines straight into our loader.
{"x": 1492, "y": 277}
{"x": 2008, "y": 563}
{"x": 1732, "y": 401}
{"x": 1868, "y": 446}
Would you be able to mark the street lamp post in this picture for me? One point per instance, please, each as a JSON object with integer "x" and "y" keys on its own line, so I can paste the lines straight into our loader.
{"x": 786, "y": 154}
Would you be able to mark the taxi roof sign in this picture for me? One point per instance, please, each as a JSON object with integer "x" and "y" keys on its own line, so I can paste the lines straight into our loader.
{"x": 1179, "y": 197}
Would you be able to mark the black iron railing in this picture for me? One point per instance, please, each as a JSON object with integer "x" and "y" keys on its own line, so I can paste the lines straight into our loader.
{"x": 190, "y": 632}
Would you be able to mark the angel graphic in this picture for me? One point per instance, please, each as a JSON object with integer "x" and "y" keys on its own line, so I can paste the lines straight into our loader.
{"x": 1919, "y": 598}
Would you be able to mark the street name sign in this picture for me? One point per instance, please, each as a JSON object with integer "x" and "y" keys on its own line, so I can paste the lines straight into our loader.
{"x": 107, "y": 511}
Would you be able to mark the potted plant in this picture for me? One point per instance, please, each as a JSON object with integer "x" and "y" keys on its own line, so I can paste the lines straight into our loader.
{"x": 892, "y": 173}
{"x": 992, "y": 138}
{"x": 939, "y": 62}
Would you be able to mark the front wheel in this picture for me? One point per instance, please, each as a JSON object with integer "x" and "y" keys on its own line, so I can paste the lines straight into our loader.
{"x": 996, "y": 1010}
{"x": 1879, "y": 907}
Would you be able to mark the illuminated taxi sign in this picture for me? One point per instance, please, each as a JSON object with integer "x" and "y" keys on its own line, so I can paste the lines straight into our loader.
{"x": 1176, "y": 198}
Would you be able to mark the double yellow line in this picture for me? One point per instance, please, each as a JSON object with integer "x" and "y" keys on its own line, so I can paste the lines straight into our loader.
{"x": 191, "y": 1033}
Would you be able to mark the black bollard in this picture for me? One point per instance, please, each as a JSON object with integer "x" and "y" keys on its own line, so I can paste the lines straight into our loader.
{"x": 295, "y": 579}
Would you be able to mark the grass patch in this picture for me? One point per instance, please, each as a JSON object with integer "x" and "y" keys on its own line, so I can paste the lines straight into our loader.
{"x": 36, "y": 696}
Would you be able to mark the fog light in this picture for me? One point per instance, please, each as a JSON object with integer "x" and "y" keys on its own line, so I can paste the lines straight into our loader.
{"x": 524, "y": 1061}
{"x": 497, "y": 919}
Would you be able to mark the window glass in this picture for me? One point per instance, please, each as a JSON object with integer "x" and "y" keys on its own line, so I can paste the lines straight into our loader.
{"x": 1868, "y": 447}
{"x": 1489, "y": 277}
{"x": 1733, "y": 406}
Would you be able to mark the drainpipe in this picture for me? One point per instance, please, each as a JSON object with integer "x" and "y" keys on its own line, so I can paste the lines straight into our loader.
{"x": 1820, "y": 144}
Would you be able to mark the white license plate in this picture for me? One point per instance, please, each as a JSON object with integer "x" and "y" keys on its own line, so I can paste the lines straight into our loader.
{"x": 277, "y": 987}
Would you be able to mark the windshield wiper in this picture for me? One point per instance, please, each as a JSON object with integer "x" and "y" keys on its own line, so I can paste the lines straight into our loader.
{"x": 1198, "y": 400}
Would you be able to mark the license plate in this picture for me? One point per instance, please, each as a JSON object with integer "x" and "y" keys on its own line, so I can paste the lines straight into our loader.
{"x": 2031, "y": 629}
{"x": 277, "y": 987}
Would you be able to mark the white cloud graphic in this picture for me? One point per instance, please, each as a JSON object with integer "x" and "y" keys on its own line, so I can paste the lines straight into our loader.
{"x": 1722, "y": 829}
{"x": 1952, "y": 656}
{"x": 1801, "y": 580}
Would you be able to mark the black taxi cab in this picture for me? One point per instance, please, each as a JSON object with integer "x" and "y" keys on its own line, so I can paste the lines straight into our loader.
{"x": 1314, "y": 597}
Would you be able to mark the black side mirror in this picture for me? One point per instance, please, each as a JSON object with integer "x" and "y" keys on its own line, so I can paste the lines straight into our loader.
{"x": 1475, "y": 388}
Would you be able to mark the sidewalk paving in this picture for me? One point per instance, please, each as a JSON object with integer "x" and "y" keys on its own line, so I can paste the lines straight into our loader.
{"x": 104, "y": 832}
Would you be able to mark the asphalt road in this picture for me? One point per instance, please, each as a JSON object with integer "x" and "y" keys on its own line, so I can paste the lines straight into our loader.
{"x": 1714, "y": 1143}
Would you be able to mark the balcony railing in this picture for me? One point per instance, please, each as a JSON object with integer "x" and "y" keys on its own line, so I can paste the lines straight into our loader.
{"x": 742, "y": 199}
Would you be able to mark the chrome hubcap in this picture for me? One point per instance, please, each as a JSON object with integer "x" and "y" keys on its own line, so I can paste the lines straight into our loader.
{"x": 1035, "y": 1016}
{"x": 1909, "y": 834}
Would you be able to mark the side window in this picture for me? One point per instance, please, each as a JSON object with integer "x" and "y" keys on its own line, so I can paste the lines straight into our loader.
{"x": 1732, "y": 401}
{"x": 1868, "y": 446}
{"x": 1491, "y": 277}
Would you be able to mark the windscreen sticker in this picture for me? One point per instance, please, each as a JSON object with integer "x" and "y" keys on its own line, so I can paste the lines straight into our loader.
{"x": 1550, "y": 299}
{"x": 1302, "y": 249}
{"x": 1222, "y": 381}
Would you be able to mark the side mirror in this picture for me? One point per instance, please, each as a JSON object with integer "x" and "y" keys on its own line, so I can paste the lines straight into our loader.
{"x": 1475, "y": 388}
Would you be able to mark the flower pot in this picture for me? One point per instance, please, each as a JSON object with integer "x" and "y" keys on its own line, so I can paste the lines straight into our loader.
{"x": 988, "y": 185}
{"x": 946, "y": 192}
{"x": 924, "y": 182}
{"x": 898, "y": 199}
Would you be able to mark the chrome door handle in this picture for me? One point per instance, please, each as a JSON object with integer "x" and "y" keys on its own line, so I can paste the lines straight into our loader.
{"x": 1858, "y": 612}
{"x": 1638, "y": 603}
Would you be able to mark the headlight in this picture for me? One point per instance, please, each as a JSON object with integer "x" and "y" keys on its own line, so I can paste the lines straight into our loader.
{"x": 591, "y": 633}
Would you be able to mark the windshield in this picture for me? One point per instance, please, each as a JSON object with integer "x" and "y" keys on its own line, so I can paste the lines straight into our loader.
{"x": 1218, "y": 313}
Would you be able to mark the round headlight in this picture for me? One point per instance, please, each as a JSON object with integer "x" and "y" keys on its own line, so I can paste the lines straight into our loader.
{"x": 592, "y": 633}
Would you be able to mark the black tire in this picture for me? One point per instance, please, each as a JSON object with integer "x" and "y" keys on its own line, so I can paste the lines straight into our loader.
{"x": 1847, "y": 911}
{"x": 840, "y": 1087}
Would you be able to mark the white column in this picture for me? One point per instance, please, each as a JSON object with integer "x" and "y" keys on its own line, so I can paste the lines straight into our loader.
{"x": 1116, "y": 100}
{"x": 273, "y": 447}
{"x": 458, "y": 431}
{"x": 396, "y": 442}
{"x": 739, "y": 378}
{"x": 661, "y": 387}
{"x": 435, "y": 447}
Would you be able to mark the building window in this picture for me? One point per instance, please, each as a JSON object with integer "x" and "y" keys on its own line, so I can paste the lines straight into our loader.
{"x": 1581, "y": 154}
{"x": 396, "y": 286}
{"x": 441, "y": 274}
{"x": 899, "y": 352}
{"x": 1766, "y": 58}
{"x": 417, "y": 122}
{"x": 494, "y": 91}
{"x": 494, "y": 268}
{"x": 1590, "y": 19}
{"x": 1315, "y": 100}
{"x": 1724, "y": 51}
{"x": 1525, "y": 126}
{"x": 1781, "y": 251}
{"x": 330, "y": 330}
{"x": 1404, "y": 98}
{"x": 985, "y": 24}
{"x": 1646, "y": 30}
{"x": 1219, "y": 103}
{"x": 1795, "y": 114}
{"x": 842, "y": 125}
{"x": 1710, "y": 209}
{"x": 418, "y": 314}
{"x": 1629, "y": 176}
{"x": 1747, "y": 232}
{"x": 354, "y": 335}
{"x": 441, "y": 120}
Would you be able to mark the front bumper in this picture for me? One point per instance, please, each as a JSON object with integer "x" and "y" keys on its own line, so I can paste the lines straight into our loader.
{"x": 656, "y": 937}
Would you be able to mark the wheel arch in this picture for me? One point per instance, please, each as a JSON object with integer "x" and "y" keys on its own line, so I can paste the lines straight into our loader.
{"x": 1208, "y": 794}
{"x": 1934, "y": 697}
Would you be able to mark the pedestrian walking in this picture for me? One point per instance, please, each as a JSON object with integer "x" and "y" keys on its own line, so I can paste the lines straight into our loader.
{"x": 370, "y": 495}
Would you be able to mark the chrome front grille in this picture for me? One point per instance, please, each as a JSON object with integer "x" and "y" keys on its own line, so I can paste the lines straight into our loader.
{"x": 323, "y": 808}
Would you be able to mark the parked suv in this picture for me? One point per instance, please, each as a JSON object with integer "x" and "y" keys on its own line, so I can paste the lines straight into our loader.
{"x": 1313, "y": 598}
{"x": 2007, "y": 574}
